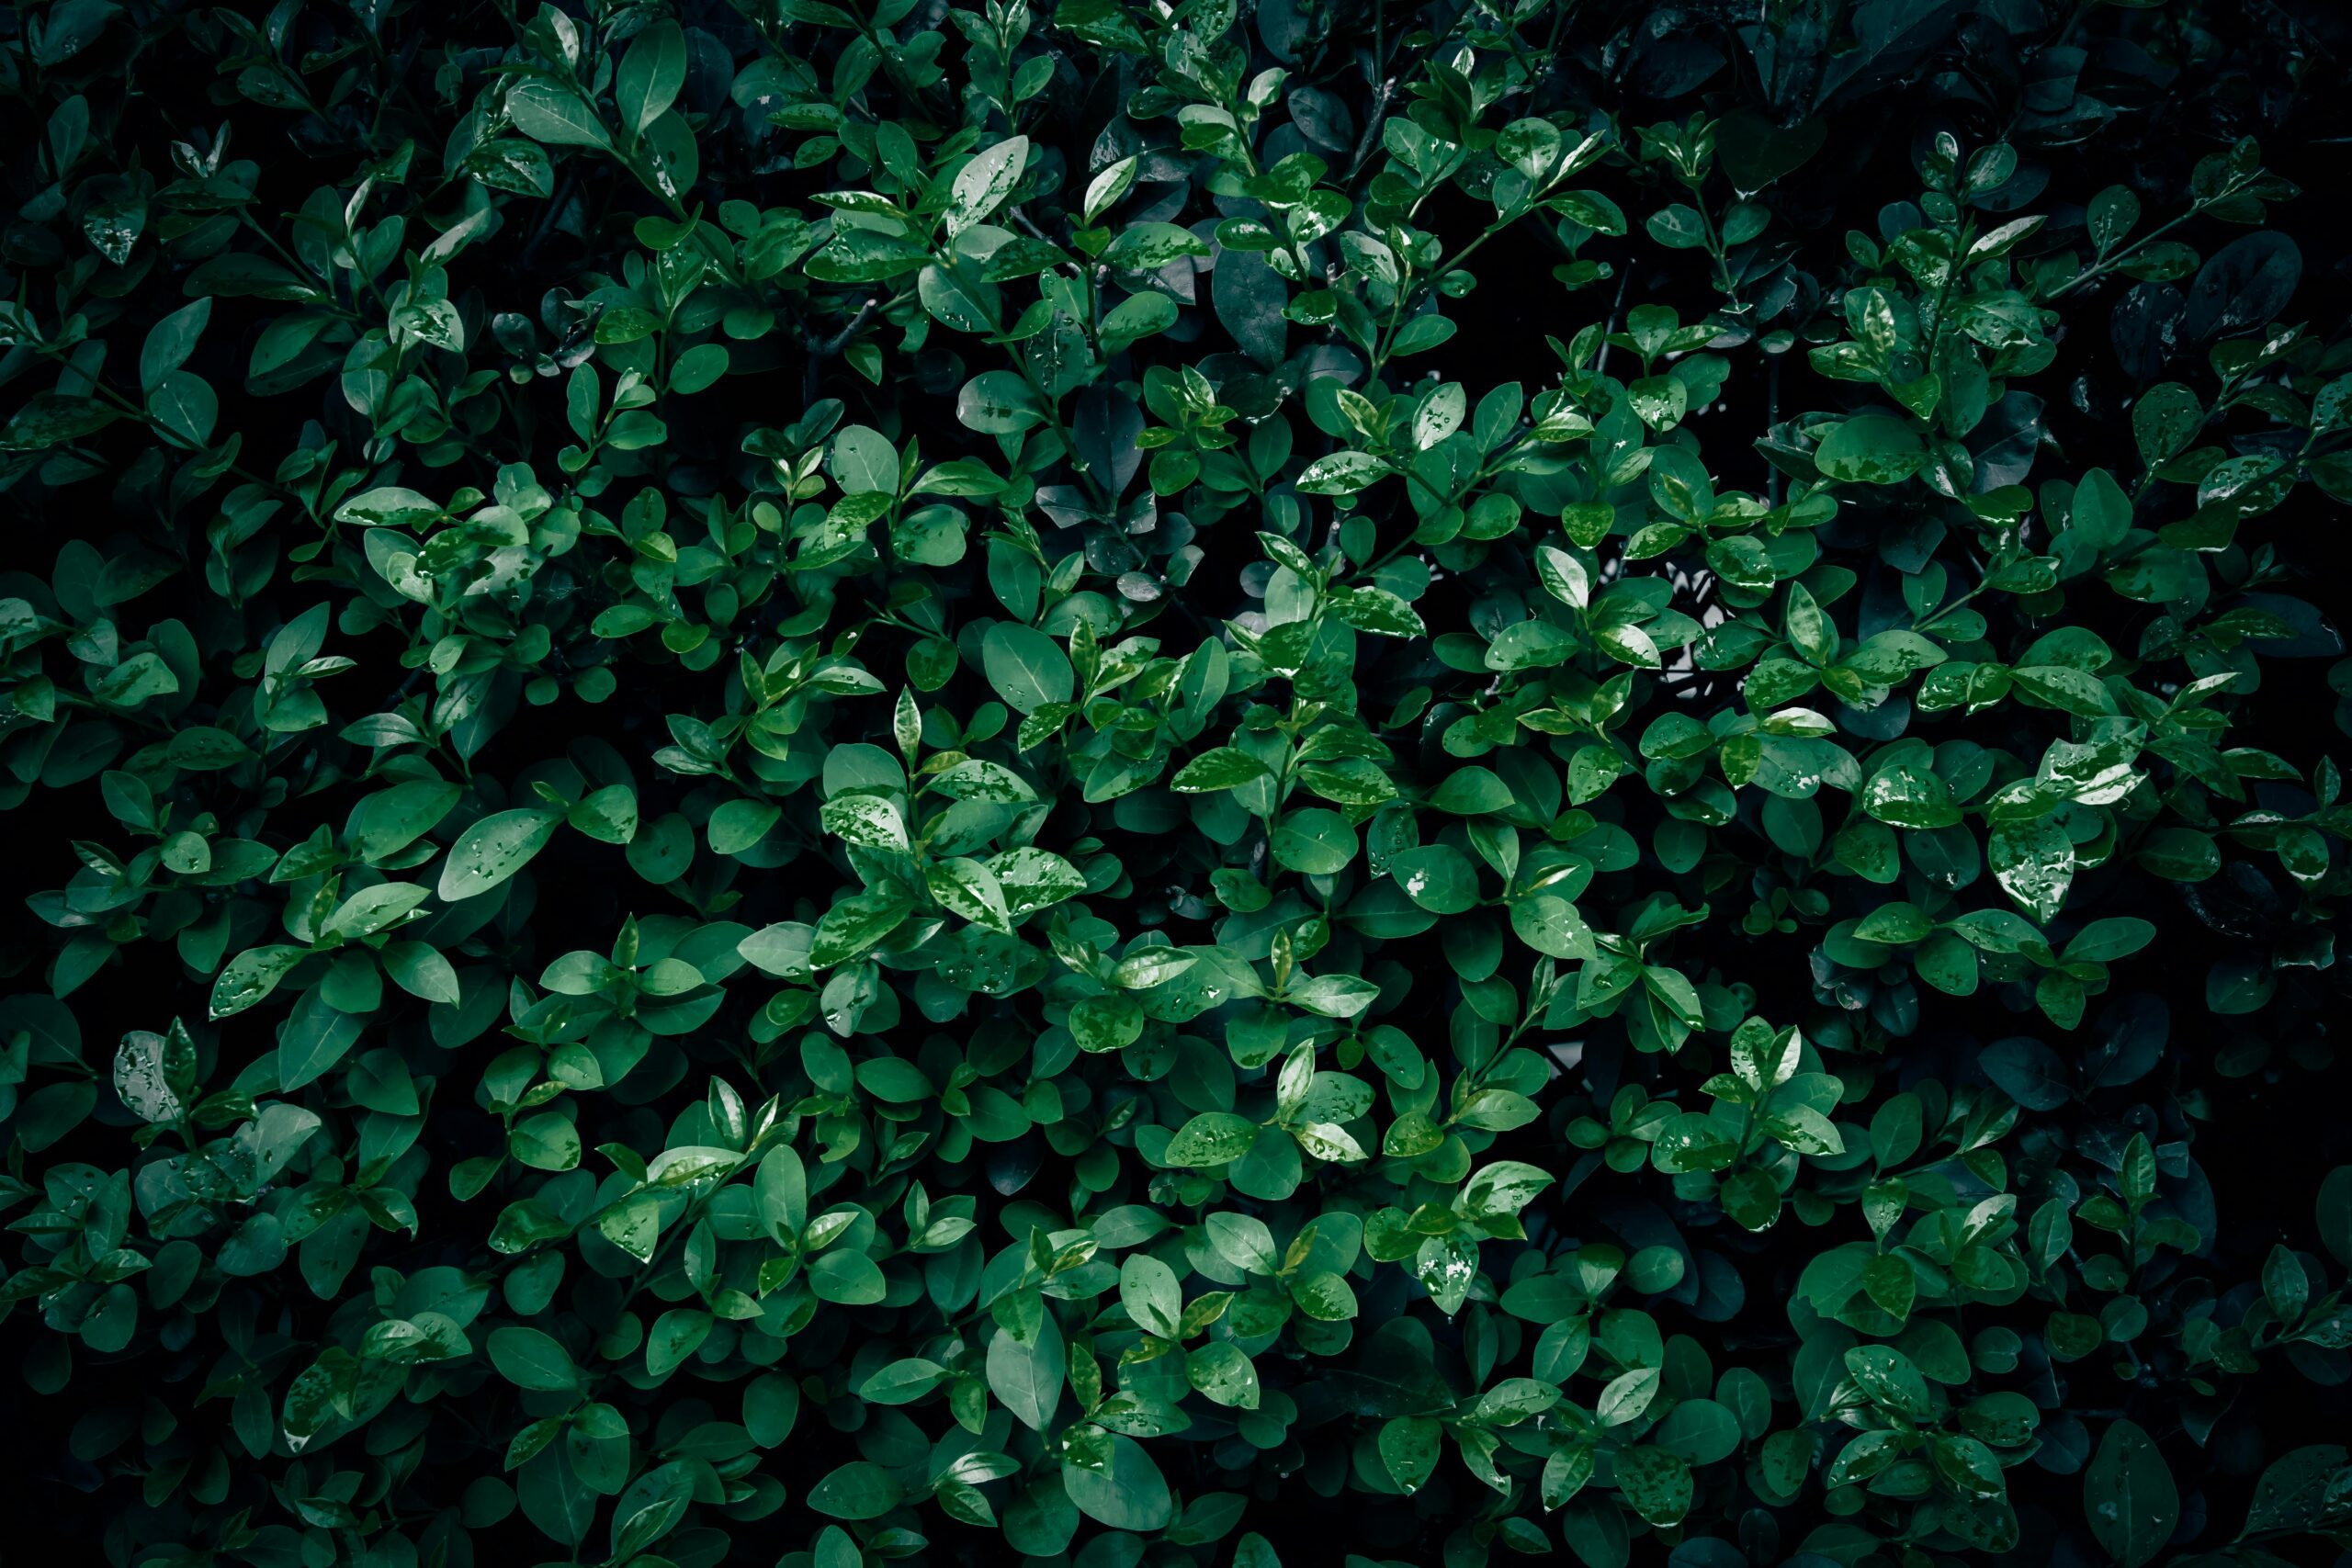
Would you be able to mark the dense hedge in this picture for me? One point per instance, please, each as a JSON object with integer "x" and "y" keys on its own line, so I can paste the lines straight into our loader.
{"x": 856, "y": 782}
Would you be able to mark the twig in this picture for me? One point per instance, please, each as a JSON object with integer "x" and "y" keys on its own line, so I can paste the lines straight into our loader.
{"x": 830, "y": 348}
{"x": 1601, "y": 361}
{"x": 1370, "y": 129}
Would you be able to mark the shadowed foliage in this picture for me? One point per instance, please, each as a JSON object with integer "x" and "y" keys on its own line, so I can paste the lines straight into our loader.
{"x": 1203, "y": 785}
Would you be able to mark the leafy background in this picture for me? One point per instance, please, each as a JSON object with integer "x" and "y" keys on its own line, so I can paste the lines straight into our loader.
{"x": 1199, "y": 786}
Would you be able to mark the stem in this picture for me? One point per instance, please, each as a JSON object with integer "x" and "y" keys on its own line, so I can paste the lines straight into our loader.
{"x": 1372, "y": 122}
{"x": 819, "y": 351}
{"x": 1601, "y": 361}
{"x": 2102, "y": 269}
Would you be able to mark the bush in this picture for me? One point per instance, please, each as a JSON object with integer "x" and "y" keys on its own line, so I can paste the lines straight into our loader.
{"x": 859, "y": 782}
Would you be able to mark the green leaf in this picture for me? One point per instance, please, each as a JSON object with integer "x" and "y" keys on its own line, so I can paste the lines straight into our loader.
{"x": 983, "y": 183}
{"x": 1223, "y": 1374}
{"x": 1212, "y": 1138}
{"x": 871, "y": 821}
{"x": 154, "y": 1075}
{"x": 1148, "y": 1289}
{"x": 2129, "y": 1495}
{"x": 1876, "y": 450}
{"x": 652, "y": 72}
{"x": 1224, "y": 767}
{"x": 251, "y": 976}
{"x": 1147, "y": 247}
{"x": 969, "y": 888}
{"x": 902, "y": 1382}
{"x": 1342, "y": 473}
{"x": 2034, "y": 862}
{"x": 528, "y": 1359}
{"x": 548, "y": 111}
{"x": 494, "y": 849}
{"x": 1149, "y": 966}
{"x": 316, "y": 1037}
{"x": 859, "y": 1490}
{"x": 1409, "y": 1448}
{"x": 865, "y": 255}
{"x": 1027, "y": 667}
{"x": 856, "y": 924}
{"x": 1378, "y": 610}
{"x": 170, "y": 341}
{"x": 1125, "y": 1492}
{"x": 1626, "y": 1396}
{"x": 1032, "y": 879}
{"x": 675, "y": 1334}
{"x": 1656, "y": 1483}
{"x": 1026, "y": 1373}
{"x": 2165, "y": 418}
{"x": 1438, "y": 878}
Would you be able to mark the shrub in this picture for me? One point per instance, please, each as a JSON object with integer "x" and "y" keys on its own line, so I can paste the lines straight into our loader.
{"x": 871, "y": 782}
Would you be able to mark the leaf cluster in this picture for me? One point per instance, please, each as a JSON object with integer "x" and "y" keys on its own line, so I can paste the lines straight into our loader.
{"x": 844, "y": 782}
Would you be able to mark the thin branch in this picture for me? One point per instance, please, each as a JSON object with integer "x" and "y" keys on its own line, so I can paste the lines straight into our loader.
{"x": 819, "y": 351}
